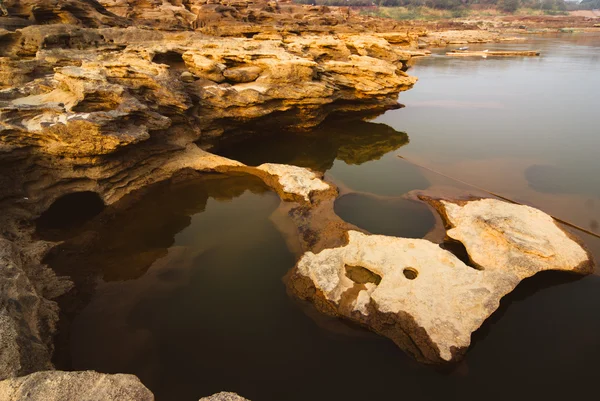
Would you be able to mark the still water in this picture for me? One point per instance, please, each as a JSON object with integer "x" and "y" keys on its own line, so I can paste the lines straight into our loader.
{"x": 183, "y": 286}
{"x": 527, "y": 128}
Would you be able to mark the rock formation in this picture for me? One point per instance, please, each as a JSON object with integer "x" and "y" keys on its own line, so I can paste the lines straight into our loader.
{"x": 60, "y": 386}
{"x": 508, "y": 237}
{"x": 111, "y": 96}
{"x": 111, "y": 99}
{"x": 423, "y": 297}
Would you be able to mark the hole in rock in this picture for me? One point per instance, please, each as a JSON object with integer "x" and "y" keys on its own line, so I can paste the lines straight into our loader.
{"x": 410, "y": 273}
{"x": 362, "y": 275}
{"x": 45, "y": 16}
{"x": 170, "y": 58}
{"x": 99, "y": 101}
{"x": 458, "y": 249}
{"x": 69, "y": 211}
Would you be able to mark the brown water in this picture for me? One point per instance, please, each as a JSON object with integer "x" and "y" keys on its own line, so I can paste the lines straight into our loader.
{"x": 182, "y": 286}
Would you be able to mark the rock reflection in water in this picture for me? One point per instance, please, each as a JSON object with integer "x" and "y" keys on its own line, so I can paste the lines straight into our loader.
{"x": 352, "y": 141}
{"x": 357, "y": 155}
{"x": 123, "y": 241}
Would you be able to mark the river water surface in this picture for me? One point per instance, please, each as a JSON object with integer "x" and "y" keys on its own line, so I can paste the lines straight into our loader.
{"x": 183, "y": 286}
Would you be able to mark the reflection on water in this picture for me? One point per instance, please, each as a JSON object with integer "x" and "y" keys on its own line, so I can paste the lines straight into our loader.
{"x": 124, "y": 241}
{"x": 351, "y": 141}
{"x": 209, "y": 312}
{"x": 356, "y": 154}
{"x": 526, "y": 128}
{"x": 554, "y": 179}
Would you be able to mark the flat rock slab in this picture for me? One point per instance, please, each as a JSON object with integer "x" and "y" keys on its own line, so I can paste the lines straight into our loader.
{"x": 423, "y": 297}
{"x": 510, "y": 237}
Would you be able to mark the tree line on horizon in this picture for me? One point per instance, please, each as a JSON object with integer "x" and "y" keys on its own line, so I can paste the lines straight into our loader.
{"x": 504, "y": 5}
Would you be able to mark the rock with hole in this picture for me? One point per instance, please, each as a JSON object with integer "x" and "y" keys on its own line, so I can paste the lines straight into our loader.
{"x": 411, "y": 290}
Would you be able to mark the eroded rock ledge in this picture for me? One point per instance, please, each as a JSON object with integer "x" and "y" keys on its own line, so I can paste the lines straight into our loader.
{"x": 112, "y": 96}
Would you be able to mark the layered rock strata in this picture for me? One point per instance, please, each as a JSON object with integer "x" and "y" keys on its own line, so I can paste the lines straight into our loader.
{"x": 112, "y": 96}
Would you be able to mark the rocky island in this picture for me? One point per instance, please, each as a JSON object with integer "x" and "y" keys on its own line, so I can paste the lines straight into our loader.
{"x": 108, "y": 97}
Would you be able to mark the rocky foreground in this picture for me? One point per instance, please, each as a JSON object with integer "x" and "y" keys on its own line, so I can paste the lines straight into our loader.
{"x": 112, "y": 96}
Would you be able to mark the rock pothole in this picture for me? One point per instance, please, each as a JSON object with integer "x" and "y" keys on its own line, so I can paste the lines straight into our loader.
{"x": 362, "y": 275}
{"x": 410, "y": 273}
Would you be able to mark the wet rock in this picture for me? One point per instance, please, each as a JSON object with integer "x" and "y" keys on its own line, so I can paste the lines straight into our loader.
{"x": 73, "y": 386}
{"x": 224, "y": 396}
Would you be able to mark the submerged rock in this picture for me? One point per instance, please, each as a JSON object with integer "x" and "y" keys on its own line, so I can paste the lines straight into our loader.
{"x": 74, "y": 386}
{"x": 423, "y": 297}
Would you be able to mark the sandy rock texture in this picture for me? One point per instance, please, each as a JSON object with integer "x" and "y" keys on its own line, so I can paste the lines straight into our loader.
{"x": 224, "y": 396}
{"x": 27, "y": 316}
{"x": 423, "y": 297}
{"x": 453, "y": 37}
{"x": 62, "y": 386}
{"x": 517, "y": 238}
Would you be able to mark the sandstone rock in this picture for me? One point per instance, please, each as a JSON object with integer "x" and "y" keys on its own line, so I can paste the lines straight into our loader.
{"x": 224, "y": 396}
{"x": 74, "y": 386}
{"x": 515, "y": 238}
{"x": 26, "y": 318}
{"x": 444, "y": 38}
{"x": 87, "y": 13}
{"x": 91, "y": 99}
{"x": 295, "y": 180}
{"x": 120, "y": 97}
{"x": 242, "y": 74}
{"x": 423, "y": 297}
